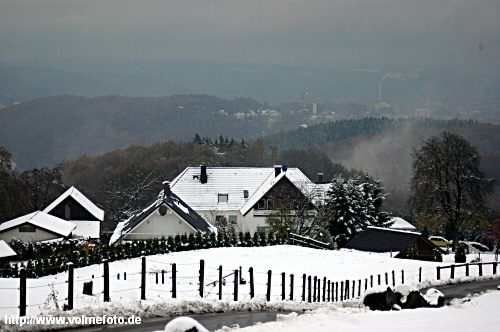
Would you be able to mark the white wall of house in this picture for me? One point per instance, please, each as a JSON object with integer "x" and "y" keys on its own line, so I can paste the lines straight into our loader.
{"x": 251, "y": 222}
{"x": 36, "y": 236}
{"x": 158, "y": 226}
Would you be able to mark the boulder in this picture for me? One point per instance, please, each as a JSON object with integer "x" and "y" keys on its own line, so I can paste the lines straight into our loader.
{"x": 380, "y": 299}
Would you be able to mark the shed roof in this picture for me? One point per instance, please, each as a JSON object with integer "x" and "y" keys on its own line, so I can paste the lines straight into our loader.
{"x": 377, "y": 239}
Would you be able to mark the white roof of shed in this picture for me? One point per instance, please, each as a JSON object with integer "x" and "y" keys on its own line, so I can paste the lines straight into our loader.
{"x": 401, "y": 224}
{"x": 87, "y": 228}
{"x": 42, "y": 220}
{"x": 6, "y": 250}
{"x": 81, "y": 199}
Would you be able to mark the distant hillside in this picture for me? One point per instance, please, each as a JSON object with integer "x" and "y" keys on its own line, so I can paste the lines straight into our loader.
{"x": 47, "y": 131}
{"x": 382, "y": 147}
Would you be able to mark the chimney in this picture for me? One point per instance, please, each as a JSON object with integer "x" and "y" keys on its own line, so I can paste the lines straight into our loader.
{"x": 166, "y": 188}
{"x": 203, "y": 174}
{"x": 320, "y": 178}
{"x": 277, "y": 170}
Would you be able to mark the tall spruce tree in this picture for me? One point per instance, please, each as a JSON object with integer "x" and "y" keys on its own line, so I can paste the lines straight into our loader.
{"x": 352, "y": 205}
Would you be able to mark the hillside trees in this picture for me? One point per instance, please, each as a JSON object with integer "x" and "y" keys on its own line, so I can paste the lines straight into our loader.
{"x": 448, "y": 187}
{"x": 352, "y": 205}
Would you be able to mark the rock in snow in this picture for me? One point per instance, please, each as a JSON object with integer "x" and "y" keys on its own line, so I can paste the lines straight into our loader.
{"x": 184, "y": 324}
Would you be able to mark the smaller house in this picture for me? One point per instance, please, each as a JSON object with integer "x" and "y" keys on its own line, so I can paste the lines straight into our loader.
{"x": 37, "y": 226}
{"x": 401, "y": 224}
{"x": 73, "y": 206}
{"x": 168, "y": 215}
{"x": 410, "y": 245}
{"x": 6, "y": 252}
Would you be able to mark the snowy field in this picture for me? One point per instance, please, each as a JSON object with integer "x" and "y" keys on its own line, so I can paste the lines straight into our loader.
{"x": 49, "y": 293}
{"x": 478, "y": 314}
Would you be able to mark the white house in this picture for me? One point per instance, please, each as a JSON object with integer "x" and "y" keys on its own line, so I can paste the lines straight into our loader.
{"x": 73, "y": 206}
{"x": 167, "y": 215}
{"x": 36, "y": 227}
{"x": 242, "y": 196}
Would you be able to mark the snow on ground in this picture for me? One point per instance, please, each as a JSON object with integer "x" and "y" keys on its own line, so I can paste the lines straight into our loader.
{"x": 479, "y": 314}
{"x": 48, "y": 294}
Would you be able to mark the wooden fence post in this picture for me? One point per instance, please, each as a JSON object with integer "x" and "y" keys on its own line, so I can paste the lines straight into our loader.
{"x": 314, "y": 288}
{"x": 387, "y": 278}
{"x": 220, "y": 282}
{"x": 22, "y": 291}
{"x": 291, "y": 287}
{"x": 359, "y": 287}
{"x": 236, "y": 283}
{"x": 494, "y": 267}
{"x": 420, "y": 274}
{"x": 156, "y": 276}
{"x": 283, "y": 291}
{"x": 202, "y": 276}
{"x": 378, "y": 280}
{"x": 163, "y": 277}
{"x": 371, "y": 281}
{"x": 452, "y": 272}
{"x": 466, "y": 269}
{"x": 336, "y": 291}
{"x": 268, "y": 294}
{"x": 324, "y": 289}
{"x": 106, "y": 280}
{"x": 143, "y": 278}
{"x": 304, "y": 277}
{"x": 174, "y": 280}
{"x": 71, "y": 276}
{"x": 347, "y": 289}
{"x": 309, "y": 289}
{"x": 341, "y": 291}
{"x": 353, "y": 289}
{"x": 438, "y": 271}
{"x": 366, "y": 284}
{"x": 124, "y": 275}
{"x": 252, "y": 289}
{"x": 393, "y": 278}
{"x": 480, "y": 269}
{"x": 328, "y": 296}
{"x": 402, "y": 276}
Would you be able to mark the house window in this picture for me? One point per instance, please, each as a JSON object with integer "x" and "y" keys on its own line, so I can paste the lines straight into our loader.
{"x": 223, "y": 198}
{"x": 245, "y": 193}
{"x": 233, "y": 220}
{"x": 220, "y": 221}
{"x": 261, "y": 229}
{"x": 67, "y": 212}
{"x": 262, "y": 204}
{"x": 27, "y": 229}
{"x": 270, "y": 204}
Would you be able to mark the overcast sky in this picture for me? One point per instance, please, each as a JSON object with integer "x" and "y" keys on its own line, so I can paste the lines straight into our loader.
{"x": 267, "y": 31}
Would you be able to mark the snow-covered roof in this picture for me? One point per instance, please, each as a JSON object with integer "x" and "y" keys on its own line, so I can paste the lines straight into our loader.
{"x": 180, "y": 208}
{"x": 6, "y": 250}
{"x": 233, "y": 181}
{"x": 87, "y": 228}
{"x": 42, "y": 220}
{"x": 401, "y": 224}
{"x": 81, "y": 199}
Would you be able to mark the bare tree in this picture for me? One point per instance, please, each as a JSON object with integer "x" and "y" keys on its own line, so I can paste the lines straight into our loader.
{"x": 447, "y": 186}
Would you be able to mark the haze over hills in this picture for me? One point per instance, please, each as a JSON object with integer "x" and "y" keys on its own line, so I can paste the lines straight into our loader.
{"x": 402, "y": 86}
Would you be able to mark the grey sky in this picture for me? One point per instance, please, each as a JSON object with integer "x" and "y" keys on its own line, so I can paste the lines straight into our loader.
{"x": 277, "y": 31}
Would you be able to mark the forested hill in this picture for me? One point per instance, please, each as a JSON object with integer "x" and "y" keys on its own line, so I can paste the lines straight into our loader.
{"x": 47, "y": 131}
{"x": 383, "y": 147}
{"x": 347, "y": 129}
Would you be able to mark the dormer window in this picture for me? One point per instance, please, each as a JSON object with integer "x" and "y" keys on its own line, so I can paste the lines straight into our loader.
{"x": 223, "y": 198}
{"x": 245, "y": 193}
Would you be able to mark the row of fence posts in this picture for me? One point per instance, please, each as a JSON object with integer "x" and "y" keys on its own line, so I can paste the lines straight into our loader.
{"x": 467, "y": 271}
{"x": 311, "y": 286}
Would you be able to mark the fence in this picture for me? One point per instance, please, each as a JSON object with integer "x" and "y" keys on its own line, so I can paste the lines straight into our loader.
{"x": 198, "y": 280}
